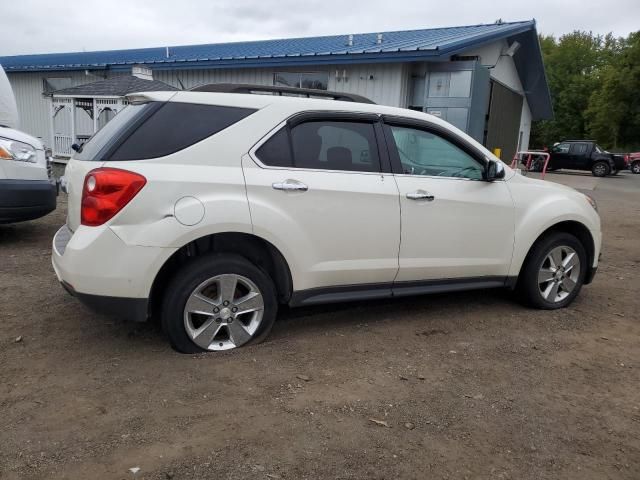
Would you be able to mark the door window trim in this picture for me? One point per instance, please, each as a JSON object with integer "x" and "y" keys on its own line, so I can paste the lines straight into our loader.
{"x": 394, "y": 156}
{"x": 328, "y": 116}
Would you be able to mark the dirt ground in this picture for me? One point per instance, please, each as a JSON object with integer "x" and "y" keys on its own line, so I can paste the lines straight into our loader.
{"x": 469, "y": 385}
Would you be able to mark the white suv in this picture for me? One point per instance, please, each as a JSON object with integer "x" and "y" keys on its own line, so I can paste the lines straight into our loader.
{"x": 208, "y": 210}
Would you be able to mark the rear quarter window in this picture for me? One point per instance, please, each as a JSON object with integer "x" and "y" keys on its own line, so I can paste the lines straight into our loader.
{"x": 173, "y": 127}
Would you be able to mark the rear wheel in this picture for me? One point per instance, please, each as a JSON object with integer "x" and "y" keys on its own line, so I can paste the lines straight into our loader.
{"x": 635, "y": 167}
{"x": 218, "y": 302}
{"x": 554, "y": 272}
{"x": 601, "y": 169}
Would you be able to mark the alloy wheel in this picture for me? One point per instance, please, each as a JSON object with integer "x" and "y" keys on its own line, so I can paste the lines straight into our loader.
{"x": 559, "y": 274}
{"x": 223, "y": 312}
{"x": 600, "y": 170}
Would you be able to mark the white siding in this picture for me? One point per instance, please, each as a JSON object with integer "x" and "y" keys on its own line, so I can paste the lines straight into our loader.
{"x": 35, "y": 108}
{"x": 383, "y": 83}
{"x": 505, "y": 69}
{"x": 525, "y": 125}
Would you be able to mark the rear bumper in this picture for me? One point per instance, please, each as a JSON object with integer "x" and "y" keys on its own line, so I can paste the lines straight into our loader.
{"x": 106, "y": 274}
{"x": 132, "y": 309}
{"x": 22, "y": 200}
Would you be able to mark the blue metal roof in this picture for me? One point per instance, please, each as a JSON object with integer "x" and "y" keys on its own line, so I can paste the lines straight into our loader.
{"x": 402, "y": 45}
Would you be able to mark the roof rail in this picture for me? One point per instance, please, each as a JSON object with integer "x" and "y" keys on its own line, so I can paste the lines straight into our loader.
{"x": 281, "y": 91}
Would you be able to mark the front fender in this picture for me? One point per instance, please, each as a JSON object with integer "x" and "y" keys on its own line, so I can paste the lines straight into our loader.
{"x": 540, "y": 206}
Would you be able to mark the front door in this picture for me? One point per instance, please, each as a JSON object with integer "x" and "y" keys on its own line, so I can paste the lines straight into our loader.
{"x": 560, "y": 157}
{"x": 455, "y": 225}
{"x": 319, "y": 192}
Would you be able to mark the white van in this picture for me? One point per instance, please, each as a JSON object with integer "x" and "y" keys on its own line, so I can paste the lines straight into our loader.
{"x": 27, "y": 190}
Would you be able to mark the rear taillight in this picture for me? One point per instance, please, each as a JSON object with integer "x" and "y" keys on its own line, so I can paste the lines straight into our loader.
{"x": 106, "y": 191}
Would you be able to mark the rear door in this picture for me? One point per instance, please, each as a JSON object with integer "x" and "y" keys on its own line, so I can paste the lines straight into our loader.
{"x": 578, "y": 156}
{"x": 320, "y": 189}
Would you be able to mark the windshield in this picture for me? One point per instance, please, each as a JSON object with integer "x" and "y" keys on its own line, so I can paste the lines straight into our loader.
{"x": 92, "y": 147}
{"x": 599, "y": 149}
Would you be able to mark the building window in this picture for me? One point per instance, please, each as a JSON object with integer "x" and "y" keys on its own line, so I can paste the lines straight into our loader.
{"x": 314, "y": 80}
{"x": 51, "y": 84}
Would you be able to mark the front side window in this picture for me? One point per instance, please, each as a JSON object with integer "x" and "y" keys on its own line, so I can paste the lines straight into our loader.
{"x": 425, "y": 153}
{"x": 561, "y": 148}
{"x": 323, "y": 145}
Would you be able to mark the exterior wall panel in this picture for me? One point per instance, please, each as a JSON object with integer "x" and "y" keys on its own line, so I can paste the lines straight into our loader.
{"x": 384, "y": 83}
{"x": 35, "y": 108}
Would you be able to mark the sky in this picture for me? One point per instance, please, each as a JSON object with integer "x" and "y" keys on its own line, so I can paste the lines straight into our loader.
{"x": 39, "y": 26}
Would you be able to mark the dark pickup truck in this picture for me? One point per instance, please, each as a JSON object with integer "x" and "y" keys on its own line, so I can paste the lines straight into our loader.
{"x": 585, "y": 155}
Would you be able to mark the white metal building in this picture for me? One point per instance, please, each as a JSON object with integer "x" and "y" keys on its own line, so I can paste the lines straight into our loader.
{"x": 488, "y": 80}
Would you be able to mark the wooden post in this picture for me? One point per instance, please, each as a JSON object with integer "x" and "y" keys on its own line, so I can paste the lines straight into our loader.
{"x": 73, "y": 121}
{"x": 51, "y": 126}
{"x": 95, "y": 116}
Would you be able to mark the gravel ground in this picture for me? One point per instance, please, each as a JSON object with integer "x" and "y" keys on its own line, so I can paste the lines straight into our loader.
{"x": 468, "y": 385}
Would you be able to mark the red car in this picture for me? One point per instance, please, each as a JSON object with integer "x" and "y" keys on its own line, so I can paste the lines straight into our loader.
{"x": 634, "y": 162}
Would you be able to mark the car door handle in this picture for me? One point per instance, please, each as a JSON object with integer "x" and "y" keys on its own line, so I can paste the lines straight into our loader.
{"x": 290, "y": 186}
{"x": 421, "y": 195}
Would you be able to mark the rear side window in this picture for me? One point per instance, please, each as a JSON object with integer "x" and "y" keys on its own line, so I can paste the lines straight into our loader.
{"x": 173, "y": 127}
{"x": 276, "y": 152}
{"x": 579, "y": 148}
{"x": 346, "y": 146}
{"x": 324, "y": 145}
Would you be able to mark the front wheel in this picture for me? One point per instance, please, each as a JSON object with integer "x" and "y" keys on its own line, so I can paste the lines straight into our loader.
{"x": 601, "y": 169}
{"x": 218, "y": 302}
{"x": 554, "y": 272}
{"x": 635, "y": 167}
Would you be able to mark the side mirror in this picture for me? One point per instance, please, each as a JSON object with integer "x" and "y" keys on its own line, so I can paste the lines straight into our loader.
{"x": 75, "y": 147}
{"x": 495, "y": 171}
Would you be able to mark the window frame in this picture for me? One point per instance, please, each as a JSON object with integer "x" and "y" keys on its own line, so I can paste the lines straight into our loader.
{"x": 394, "y": 157}
{"x": 328, "y": 116}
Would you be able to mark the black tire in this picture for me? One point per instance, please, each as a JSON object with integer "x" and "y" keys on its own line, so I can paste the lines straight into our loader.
{"x": 193, "y": 274}
{"x": 635, "y": 167}
{"x": 601, "y": 169}
{"x": 528, "y": 286}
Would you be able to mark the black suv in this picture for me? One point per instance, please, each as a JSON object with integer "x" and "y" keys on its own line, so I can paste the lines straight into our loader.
{"x": 585, "y": 155}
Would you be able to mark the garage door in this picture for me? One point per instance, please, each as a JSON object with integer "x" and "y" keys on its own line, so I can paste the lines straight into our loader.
{"x": 503, "y": 125}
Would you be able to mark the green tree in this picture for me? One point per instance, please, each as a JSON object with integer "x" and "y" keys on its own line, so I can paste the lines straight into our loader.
{"x": 614, "y": 108}
{"x": 572, "y": 63}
